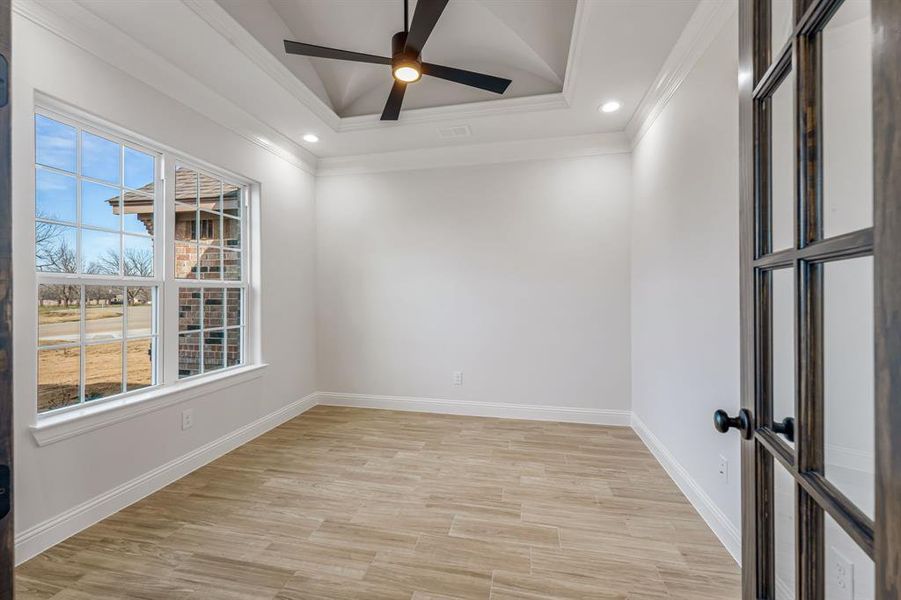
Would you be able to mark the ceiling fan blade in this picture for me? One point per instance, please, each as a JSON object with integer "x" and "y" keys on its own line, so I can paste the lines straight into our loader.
{"x": 395, "y": 100}
{"x": 427, "y": 14}
{"x": 324, "y": 52}
{"x": 498, "y": 85}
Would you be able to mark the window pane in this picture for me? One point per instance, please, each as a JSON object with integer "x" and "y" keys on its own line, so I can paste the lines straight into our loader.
{"x": 59, "y": 373}
{"x": 848, "y": 379}
{"x": 847, "y": 120}
{"x": 138, "y": 258}
{"x": 54, "y": 144}
{"x": 99, "y": 158}
{"x": 103, "y": 312}
{"x": 210, "y": 228}
{"x": 185, "y": 260}
{"x": 103, "y": 371}
{"x": 232, "y": 265}
{"x": 231, "y": 233}
{"x": 234, "y": 307}
{"x": 55, "y": 248}
{"x": 140, "y": 364}
{"x": 138, "y": 210}
{"x": 213, "y": 350}
{"x": 782, "y": 202}
{"x": 210, "y": 192}
{"x": 141, "y": 317}
{"x": 231, "y": 200}
{"x": 850, "y": 572}
{"x": 213, "y": 304}
{"x": 100, "y": 206}
{"x": 210, "y": 263}
{"x": 189, "y": 308}
{"x": 59, "y": 314}
{"x": 233, "y": 342}
{"x": 188, "y": 354}
{"x": 185, "y": 242}
{"x": 139, "y": 170}
{"x": 782, "y": 25}
{"x": 55, "y": 196}
{"x": 100, "y": 252}
{"x": 783, "y": 352}
{"x": 784, "y": 531}
{"x": 186, "y": 186}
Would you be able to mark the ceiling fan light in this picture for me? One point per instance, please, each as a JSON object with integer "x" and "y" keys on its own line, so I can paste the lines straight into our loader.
{"x": 407, "y": 73}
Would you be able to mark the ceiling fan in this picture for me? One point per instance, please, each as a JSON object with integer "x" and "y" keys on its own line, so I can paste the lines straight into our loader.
{"x": 406, "y": 57}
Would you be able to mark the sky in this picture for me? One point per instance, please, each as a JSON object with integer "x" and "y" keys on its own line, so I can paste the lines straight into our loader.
{"x": 101, "y": 160}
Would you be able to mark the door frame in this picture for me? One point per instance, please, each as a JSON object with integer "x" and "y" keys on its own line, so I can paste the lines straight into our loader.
{"x": 761, "y": 447}
{"x": 7, "y": 541}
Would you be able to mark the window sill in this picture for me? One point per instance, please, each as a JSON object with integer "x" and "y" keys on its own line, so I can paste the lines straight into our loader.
{"x": 54, "y": 428}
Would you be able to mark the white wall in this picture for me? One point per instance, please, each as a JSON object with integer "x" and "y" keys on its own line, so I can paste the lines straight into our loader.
{"x": 685, "y": 321}
{"x": 516, "y": 274}
{"x": 55, "y": 478}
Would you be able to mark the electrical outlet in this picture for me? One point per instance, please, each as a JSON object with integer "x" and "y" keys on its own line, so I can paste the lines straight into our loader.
{"x": 723, "y": 470}
{"x": 187, "y": 419}
{"x": 458, "y": 377}
{"x": 840, "y": 572}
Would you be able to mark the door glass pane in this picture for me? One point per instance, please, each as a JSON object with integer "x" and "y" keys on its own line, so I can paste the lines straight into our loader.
{"x": 848, "y": 378}
{"x": 783, "y": 351}
{"x": 782, "y": 203}
{"x": 784, "y": 531}
{"x": 850, "y": 574}
{"x": 781, "y": 25}
{"x": 847, "y": 120}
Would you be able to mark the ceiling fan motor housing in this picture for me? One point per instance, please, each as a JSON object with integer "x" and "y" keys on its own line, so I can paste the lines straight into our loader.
{"x": 399, "y": 57}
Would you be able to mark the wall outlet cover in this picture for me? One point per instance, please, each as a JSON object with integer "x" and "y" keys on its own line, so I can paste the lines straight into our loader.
{"x": 187, "y": 419}
{"x": 840, "y": 575}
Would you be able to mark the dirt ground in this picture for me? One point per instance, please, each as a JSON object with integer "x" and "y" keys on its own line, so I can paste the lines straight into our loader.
{"x": 58, "y": 372}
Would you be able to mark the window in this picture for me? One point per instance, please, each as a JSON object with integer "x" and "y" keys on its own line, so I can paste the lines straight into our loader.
{"x": 211, "y": 315}
{"x": 102, "y": 206}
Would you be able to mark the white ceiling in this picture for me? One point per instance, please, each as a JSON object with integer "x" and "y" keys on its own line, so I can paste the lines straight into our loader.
{"x": 565, "y": 61}
{"x": 526, "y": 41}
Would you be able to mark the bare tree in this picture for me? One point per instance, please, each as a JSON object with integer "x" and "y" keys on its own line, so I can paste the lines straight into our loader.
{"x": 137, "y": 262}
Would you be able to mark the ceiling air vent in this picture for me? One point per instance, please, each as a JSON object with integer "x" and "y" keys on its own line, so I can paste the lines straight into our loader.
{"x": 457, "y": 131}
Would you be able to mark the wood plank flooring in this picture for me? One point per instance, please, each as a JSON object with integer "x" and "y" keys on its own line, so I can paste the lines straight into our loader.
{"x": 345, "y": 503}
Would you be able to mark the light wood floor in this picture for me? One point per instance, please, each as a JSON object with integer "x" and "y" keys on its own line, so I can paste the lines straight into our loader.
{"x": 362, "y": 504}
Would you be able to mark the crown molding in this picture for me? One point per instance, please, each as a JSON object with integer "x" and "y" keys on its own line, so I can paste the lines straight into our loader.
{"x": 226, "y": 25}
{"x": 72, "y": 22}
{"x": 476, "y": 154}
{"x": 470, "y": 110}
{"x": 702, "y": 28}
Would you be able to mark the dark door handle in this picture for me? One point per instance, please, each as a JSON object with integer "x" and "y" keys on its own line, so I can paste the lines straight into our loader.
{"x": 723, "y": 422}
{"x": 786, "y": 427}
{"x": 5, "y": 485}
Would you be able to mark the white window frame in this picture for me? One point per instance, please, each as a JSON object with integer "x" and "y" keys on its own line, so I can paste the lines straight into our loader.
{"x": 57, "y": 424}
{"x": 171, "y": 365}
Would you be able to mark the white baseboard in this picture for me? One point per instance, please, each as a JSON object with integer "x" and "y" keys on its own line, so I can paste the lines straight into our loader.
{"x": 727, "y": 532}
{"x": 594, "y": 416}
{"x": 42, "y": 536}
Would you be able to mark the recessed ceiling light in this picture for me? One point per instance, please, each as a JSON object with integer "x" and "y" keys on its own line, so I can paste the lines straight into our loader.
{"x": 611, "y": 106}
{"x": 311, "y": 137}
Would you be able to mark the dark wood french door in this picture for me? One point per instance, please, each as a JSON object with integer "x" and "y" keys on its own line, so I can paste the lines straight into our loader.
{"x": 820, "y": 131}
{"x": 6, "y": 366}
